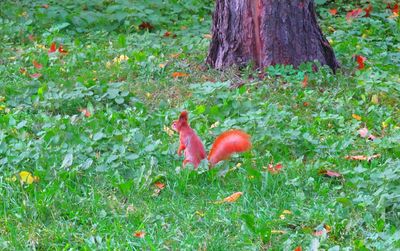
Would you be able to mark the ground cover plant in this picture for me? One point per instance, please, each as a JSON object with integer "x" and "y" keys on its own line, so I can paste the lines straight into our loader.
{"x": 88, "y": 91}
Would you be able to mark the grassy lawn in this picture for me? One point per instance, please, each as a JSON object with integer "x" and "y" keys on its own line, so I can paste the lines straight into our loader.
{"x": 92, "y": 122}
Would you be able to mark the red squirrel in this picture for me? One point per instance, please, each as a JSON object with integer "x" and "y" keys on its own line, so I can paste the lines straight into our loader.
{"x": 229, "y": 142}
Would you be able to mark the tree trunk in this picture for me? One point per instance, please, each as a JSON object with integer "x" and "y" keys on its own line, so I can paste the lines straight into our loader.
{"x": 267, "y": 32}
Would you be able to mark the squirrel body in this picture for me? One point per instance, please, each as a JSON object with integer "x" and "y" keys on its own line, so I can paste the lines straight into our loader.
{"x": 229, "y": 142}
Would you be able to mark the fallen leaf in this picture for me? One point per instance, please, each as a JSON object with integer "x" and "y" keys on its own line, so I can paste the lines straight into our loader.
{"x": 326, "y": 229}
{"x": 360, "y": 61}
{"x": 85, "y": 112}
{"x": 298, "y": 248}
{"x": 278, "y": 232}
{"x": 139, "y": 234}
{"x": 287, "y": 212}
{"x": 362, "y": 157}
{"x": 45, "y": 6}
{"x": 305, "y": 104}
{"x": 31, "y": 37}
{"x": 27, "y": 178}
{"x": 394, "y": 9}
{"x": 37, "y": 65}
{"x": 333, "y": 12}
{"x": 146, "y": 25}
{"x": 353, "y": 14}
{"x": 368, "y": 10}
{"x": 174, "y": 55}
{"x": 375, "y": 99}
{"x": 22, "y": 71}
{"x": 356, "y": 117}
{"x": 53, "y": 47}
{"x": 305, "y": 81}
{"x": 159, "y": 185}
{"x": 36, "y": 75}
{"x": 330, "y": 173}
{"x": 363, "y": 132}
{"x": 207, "y": 36}
{"x": 179, "y": 74}
{"x": 231, "y": 198}
{"x": 274, "y": 168}
{"x": 61, "y": 50}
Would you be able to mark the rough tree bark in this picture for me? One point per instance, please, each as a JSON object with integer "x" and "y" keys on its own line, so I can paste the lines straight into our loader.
{"x": 267, "y": 32}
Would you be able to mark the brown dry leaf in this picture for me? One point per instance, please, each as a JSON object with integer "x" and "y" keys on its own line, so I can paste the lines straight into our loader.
{"x": 207, "y": 36}
{"x": 362, "y": 157}
{"x": 179, "y": 74}
{"x": 356, "y": 117}
{"x": 174, "y": 55}
{"x": 231, "y": 198}
{"x": 139, "y": 234}
{"x": 330, "y": 173}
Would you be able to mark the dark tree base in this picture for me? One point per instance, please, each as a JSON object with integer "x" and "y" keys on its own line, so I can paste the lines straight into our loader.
{"x": 267, "y": 32}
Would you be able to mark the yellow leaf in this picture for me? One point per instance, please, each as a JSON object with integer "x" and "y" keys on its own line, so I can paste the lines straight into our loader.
{"x": 286, "y": 212}
{"x": 207, "y": 36}
{"x": 375, "y": 99}
{"x": 27, "y": 177}
{"x": 231, "y": 198}
{"x": 278, "y": 232}
{"x": 355, "y": 116}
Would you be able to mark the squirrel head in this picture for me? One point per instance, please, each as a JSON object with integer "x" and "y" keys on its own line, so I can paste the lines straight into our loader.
{"x": 182, "y": 121}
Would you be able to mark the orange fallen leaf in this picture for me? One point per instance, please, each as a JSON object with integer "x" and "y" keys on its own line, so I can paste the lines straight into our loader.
{"x": 231, "y": 198}
{"x": 85, "y": 112}
{"x": 139, "y": 234}
{"x": 305, "y": 81}
{"x": 362, "y": 157}
{"x": 37, "y": 65}
{"x": 298, "y": 248}
{"x": 356, "y": 117}
{"x": 159, "y": 185}
{"x": 179, "y": 74}
{"x": 333, "y": 12}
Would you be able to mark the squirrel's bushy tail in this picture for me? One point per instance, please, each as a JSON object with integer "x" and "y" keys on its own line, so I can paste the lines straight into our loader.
{"x": 228, "y": 143}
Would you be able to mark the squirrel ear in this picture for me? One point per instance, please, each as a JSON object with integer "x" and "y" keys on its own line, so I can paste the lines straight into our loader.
{"x": 183, "y": 116}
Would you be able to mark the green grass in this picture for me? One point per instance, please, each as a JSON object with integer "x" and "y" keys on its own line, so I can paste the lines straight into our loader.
{"x": 97, "y": 173}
